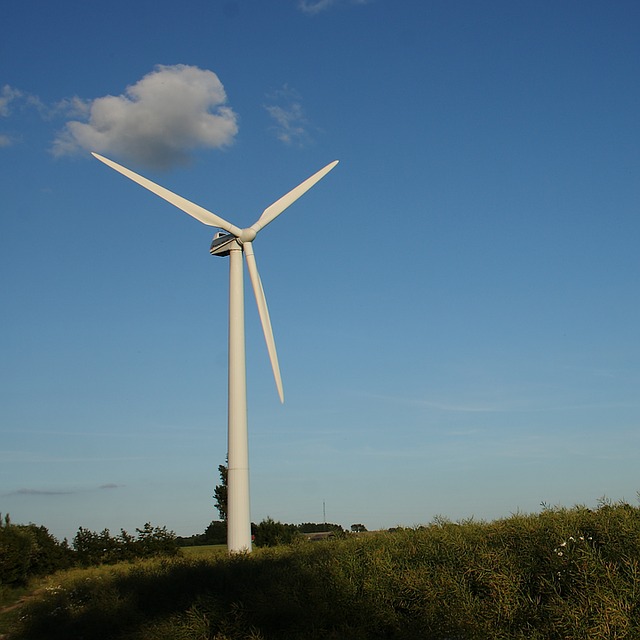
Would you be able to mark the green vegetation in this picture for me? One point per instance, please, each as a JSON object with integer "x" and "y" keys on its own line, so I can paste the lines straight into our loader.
{"x": 220, "y": 492}
{"x": 204, "y": 551}
{"x": 102, "y": 548}
{"x": 268, "y": 533}
{"x": 215, "y": 533}
{"x": 563, "y": 573}
{"x": 28, "y": 551}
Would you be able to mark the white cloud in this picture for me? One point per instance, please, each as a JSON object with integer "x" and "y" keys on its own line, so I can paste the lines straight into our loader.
{"x": 11, "y": 97}
{"x": 7, "y": 96}
{"x": 290, "y": 122}
{"x": 157, "y": 122}
{"x": 73, "y": 108}
{"x": 316, "y": 6}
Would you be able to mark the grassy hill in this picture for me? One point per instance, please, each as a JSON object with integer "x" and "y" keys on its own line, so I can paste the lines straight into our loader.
{"x": 563, "y": 573}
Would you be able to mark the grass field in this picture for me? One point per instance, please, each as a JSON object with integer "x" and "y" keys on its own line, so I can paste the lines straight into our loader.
{"x": 204, "y": 551}
{"x": 558, "y": 575}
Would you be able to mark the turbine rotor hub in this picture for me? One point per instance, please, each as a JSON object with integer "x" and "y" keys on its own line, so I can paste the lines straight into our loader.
{"x": 247, "y": 235}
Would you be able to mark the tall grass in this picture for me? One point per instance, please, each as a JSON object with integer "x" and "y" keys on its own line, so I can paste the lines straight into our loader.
{"x": 556, "y": 575}
{"x": 204, "y": 551}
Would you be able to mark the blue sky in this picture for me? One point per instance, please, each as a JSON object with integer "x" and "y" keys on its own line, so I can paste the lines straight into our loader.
{"x": 455, "y": 305}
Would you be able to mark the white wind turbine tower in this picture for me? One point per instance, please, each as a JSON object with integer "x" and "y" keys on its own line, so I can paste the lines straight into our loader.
{"x": 234, "y": 243}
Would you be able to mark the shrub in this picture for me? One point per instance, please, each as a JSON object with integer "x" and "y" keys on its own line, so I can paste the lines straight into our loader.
{"x": 17, "y": 547}
{"x": 270, "y": 533}
{"x": 49, "y": 555}
{"x": 155, "y": 541}
{"x": 30, "y": 550}
{"x": 103, "y": 548}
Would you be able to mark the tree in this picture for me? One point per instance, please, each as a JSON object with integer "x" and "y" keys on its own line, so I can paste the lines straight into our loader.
{"x": 220, "y": 493}
{"x": 17, "y": 547}
{"x": 315, "y": 527}
{"x": 215, "y": 533}
{"x": 95, "y": 548}
{"x": 270, "y": 533}
{"x": 28, "y": 550}
{"x": 102, "y": 548}
{"x": 358, "y": 528}
{"x": 155, "y": 541}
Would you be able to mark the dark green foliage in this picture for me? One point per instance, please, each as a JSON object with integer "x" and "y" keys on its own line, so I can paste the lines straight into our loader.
{"x": 220, "y": 492}
{"x": 318, "y": 527}
{"x": 155, "y": 541}
{"x": 270, "y": 533}
{"x": 102, "y": 548}
{"x": 49, "y": 554}
{"x": 95, "y": 548}
{"x": 559, "y": 575}
{"x": 29, "y": 550}
{"x": 215, "y": 533}
{"x": 17, "y": 547}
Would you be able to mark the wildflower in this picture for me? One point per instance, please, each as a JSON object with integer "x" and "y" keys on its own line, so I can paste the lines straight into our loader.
{"x": 560, "y": 553}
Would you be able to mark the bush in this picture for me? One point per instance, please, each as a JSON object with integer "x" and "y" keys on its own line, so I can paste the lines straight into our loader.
{"x": 155, "y": 541}
{"x": 319, "y": 527}
{"x": 29, "y": 550}
{"x": 17, "y": 548}
{"x": 49, "y": 554}
{"x": 103, "y": 548}
{"x": 216, "y": 533}
{"x": 99, "y": 548}
{"x": 270, "y": 533}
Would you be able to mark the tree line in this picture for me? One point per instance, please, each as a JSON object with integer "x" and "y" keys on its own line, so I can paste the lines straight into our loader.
{"x": 30, "y": 550}
{"x": 268, "y": 533}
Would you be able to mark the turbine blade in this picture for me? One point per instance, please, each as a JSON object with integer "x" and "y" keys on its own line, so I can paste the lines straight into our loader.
{"x": 194, "y": 210}
{"x": 264, "y": 314}
{"x": 274, "y": 210}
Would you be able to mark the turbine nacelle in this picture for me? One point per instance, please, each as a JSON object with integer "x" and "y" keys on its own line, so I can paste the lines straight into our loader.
{"x": 223, "y": 241}
{"x": 221, "y": 244}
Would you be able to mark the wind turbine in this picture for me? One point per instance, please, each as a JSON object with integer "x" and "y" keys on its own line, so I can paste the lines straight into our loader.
{"x": 234, "y": 243}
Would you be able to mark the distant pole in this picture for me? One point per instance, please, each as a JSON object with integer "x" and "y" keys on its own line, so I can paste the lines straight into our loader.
{"x": 324, "y": 511}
